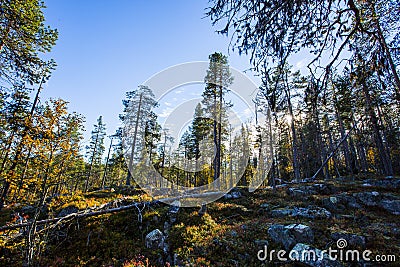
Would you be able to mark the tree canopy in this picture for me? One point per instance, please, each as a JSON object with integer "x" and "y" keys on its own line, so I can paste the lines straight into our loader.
{"x": 24, "y": 38}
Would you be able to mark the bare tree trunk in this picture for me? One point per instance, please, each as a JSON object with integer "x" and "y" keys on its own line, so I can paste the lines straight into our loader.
{"x": 332, "y": 153}
{"x": 91, "y": 163}
{"x": 383, "y": 155}
{"x": 306, "y": 161}
{"x": 321, "y": 144}
{"x": 129, "y": 175}
{"x": 384, "y": 127}
{"x": 19, "y": 149}
{"x": 31, "y": 242}
{"x": 296, "y": 169}
{"x": 271, "y": 153}
{"x": 164, "y": 153}
{"x": 335, "y": 160}
{"x": 360, "y": 148}
{"x": 103, "y": 181}
{"x": 346, "y": 153}
{"x": 7, "y": 152}
{"x": 230, "y": 159}
{"x": 216, "y": 127}
{"x": 21, "y": 180}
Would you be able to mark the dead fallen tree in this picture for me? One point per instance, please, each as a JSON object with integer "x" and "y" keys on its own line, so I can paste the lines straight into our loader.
{"x": 333, "y": 152}
{"x": 77, "y": 215}
{"x": 140, "y": 206}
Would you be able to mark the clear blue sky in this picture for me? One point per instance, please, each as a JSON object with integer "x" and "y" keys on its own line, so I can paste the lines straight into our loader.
{"x": 106, "y": 48}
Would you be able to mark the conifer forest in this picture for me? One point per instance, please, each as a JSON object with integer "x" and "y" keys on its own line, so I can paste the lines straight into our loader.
{"x": 293, "y": 159}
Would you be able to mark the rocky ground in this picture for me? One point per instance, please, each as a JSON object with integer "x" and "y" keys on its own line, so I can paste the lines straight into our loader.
{"x": 240, "y": 229}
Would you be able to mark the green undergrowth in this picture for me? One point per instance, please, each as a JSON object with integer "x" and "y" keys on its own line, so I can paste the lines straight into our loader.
{"x": 229, "y": 234}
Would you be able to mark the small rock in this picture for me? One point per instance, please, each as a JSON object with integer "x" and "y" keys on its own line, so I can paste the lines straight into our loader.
{"x": 277, "y": 213}
{"x": 312, "y": 256}
{"x": 352, "y": 240}
{"x": 334, "y": 200}
{"x": 167, "y": 227}
{"x": 331, "y": 203}
{"x": 321, "y": 188}
{"x": 312, "y": 212}
{"x": 302, "y": 233}
{"x": 173, "y": 211}
{"x": 155, "y": 239}
{"x": 390, "y": 196}
{"x": 280, "y": 235}
{"x": 233, "y": 195}
{"x": 227, "y": 196}
{"x": 392, "y": 206}
{"x": 165, "y": 247}
{"x": 67, "y": 211}
{"x": 236, "y": 194}
{"x": 296, "y": 193}
{"x": 261, "y": 243}
{"x": 202, "y": 210}
{"x": 348, "y": 201}
{"x": 265, "y": 206}
{"x": 368, "y": 198}
{"x": 385, "y": 183}
{"x": 291, "y": 234}
{"x": 175, "y": 206}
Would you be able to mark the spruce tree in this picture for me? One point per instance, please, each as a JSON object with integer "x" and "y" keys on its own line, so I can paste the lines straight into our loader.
{"x": 95, "y": 151}
{"x": 217, "y": 80}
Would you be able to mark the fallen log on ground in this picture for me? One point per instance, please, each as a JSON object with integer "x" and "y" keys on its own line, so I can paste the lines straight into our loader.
{"x": 89, "y": 212}
{"x": 77, "y": 215}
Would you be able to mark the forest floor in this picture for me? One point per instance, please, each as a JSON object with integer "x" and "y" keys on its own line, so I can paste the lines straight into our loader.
{"x": 364, "y": 212}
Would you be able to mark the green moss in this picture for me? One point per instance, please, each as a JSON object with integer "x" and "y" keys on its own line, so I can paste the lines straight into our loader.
{"x": 224, "y": 236}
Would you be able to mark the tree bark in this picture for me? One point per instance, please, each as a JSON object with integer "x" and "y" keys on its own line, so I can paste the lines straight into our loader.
{"x": 359, "y": 148}
{"x": 103, "y": 181}
{"x": 383, "y": 155}
{"x": 92, "y": 161}
{"x": 321, "y": 143}
{"x": 271, "y": 154}
{"x": 296, "y": 169}
{"x": 129, "y": 175}
{"x": 342, "y": 134}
